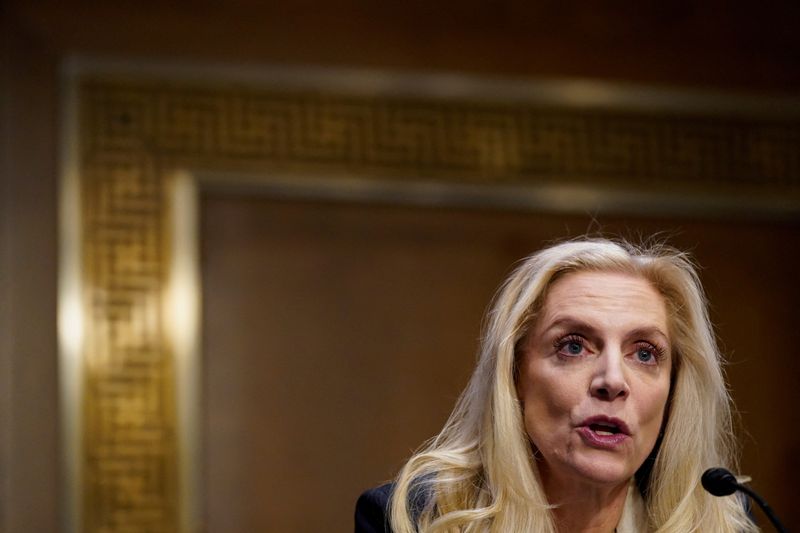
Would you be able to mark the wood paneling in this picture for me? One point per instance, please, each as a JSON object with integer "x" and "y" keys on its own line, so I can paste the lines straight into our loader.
{"x": 711, "y": 43}
{"x": 29, "y": 444}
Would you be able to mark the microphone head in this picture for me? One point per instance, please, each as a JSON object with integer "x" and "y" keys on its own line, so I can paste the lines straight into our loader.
{"x": 719, "y": 482}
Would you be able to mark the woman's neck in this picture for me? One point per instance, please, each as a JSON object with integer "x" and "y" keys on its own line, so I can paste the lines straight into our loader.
{"x": 584, "y": 507}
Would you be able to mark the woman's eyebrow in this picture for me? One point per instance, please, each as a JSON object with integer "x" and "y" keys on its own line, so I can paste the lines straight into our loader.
{"x": 574, "y": 324}
{"x": 571, "y": 324}
{"x": 649, "y": 332}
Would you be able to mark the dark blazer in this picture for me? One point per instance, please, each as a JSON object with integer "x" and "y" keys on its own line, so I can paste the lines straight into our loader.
{"x": 372, "y": 510}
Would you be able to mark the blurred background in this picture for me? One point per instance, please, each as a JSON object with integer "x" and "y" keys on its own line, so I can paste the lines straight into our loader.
{"x": 341, "y": 314}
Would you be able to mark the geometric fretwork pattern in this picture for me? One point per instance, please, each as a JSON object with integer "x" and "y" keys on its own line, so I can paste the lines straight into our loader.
{"x": 134, "y": 133}
{"x": 470, "y": 142}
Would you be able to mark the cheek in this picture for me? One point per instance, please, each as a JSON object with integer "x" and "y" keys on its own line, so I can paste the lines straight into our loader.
{"x": 654, "y": 409}
{"x": 547, "y": 399}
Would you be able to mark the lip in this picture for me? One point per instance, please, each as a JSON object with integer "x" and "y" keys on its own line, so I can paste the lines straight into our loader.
{"x": 603, "y": 419}
{"x": 607, "y": 442}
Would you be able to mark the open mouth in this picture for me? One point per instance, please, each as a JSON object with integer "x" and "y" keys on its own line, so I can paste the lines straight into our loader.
{"x": 605, "y": 428}
{"x": 604, "y": 432}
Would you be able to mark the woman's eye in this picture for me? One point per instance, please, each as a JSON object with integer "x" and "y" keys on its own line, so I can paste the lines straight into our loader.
{"x": 647, "y": 354}
{"x": 574, "y": 348}
{"x": 570, "y": 347}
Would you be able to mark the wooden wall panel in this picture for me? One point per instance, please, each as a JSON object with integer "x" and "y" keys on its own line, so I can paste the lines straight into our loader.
{"x": 29, "y": 410}
{"x": 703, "y": 44}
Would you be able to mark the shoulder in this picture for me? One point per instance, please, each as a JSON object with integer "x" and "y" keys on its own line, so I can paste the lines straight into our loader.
{"x": 372, "y": 510}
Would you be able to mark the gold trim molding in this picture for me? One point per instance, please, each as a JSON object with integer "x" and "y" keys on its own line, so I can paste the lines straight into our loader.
{"x": 131, "y": 136}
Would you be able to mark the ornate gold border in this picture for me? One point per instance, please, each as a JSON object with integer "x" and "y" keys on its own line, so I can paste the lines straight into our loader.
{"x": 134, "y": 135}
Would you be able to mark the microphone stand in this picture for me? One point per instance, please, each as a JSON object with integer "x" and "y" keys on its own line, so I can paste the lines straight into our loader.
{"x": 764, "y": 506}
{"x": 721, "y": 482}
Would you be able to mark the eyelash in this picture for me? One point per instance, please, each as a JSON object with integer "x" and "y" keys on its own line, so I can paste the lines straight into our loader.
{"x": 656, "y": 350}
{"x": 562, "y": 342}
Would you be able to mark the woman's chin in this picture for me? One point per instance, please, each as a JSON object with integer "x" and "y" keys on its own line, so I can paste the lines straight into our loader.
{"x": 608, "y": 471}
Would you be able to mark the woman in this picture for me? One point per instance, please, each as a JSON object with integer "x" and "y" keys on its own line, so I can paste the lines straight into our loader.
{"x": 597, "y": 403}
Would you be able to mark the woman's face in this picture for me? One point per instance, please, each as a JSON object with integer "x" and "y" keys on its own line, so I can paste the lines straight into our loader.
{"x": 594, "y": 377}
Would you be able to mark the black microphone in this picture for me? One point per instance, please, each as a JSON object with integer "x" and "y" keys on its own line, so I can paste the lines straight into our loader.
{"x": 721, "y": 482}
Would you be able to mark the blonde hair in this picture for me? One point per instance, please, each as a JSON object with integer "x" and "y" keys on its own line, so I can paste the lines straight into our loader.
{"x": 479, "y": 474}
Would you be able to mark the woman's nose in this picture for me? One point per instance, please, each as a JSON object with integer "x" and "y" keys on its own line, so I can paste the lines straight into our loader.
{"x": 609, "y": 382}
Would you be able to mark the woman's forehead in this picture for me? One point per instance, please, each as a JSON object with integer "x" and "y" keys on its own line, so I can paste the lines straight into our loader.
{"x": 604, "y": 298}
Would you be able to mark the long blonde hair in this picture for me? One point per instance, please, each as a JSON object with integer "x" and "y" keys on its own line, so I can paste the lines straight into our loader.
{"x": 479, "y": 475}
